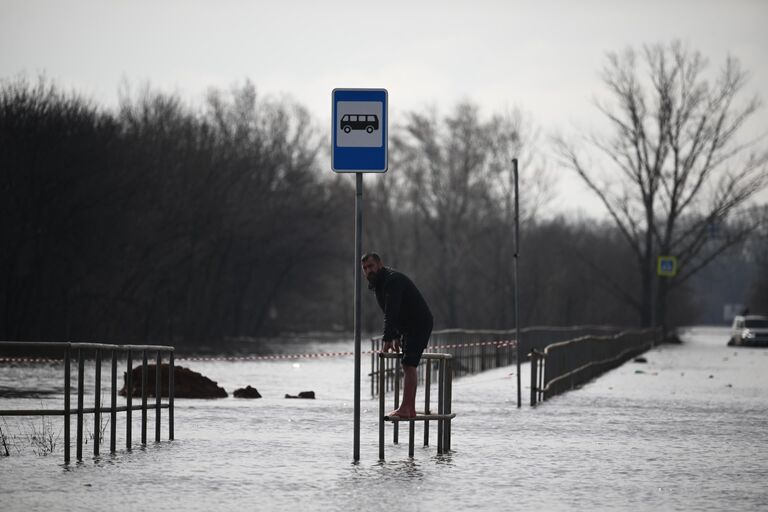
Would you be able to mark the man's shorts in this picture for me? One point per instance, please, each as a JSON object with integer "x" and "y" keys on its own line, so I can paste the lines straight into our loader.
{"x": 413, "y": 344}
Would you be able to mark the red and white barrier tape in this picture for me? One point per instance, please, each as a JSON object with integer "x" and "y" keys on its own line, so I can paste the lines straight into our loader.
{"x": 277, "y": 357}
{"x": 30, "y": 360}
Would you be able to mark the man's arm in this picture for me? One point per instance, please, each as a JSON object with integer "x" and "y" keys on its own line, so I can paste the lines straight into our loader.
{"x": 393, "y": 299}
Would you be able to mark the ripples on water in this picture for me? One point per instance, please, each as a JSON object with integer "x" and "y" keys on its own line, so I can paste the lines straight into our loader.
{"x": 669, "y": 438}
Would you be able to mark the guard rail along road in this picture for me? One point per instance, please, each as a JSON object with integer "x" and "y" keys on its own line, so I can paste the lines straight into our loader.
{"x": 476, "y": 351}
{"x": 565, "y": 365}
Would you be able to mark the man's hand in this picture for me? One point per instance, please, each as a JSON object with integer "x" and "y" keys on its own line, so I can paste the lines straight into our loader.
{"x": 391, "y": 345}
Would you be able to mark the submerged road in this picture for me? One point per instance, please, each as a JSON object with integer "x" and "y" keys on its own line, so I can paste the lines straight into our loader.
{"x": 686, "y": 431}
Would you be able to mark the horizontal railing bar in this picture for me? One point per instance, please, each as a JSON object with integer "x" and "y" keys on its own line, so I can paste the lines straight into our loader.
{"x": 60, "y": 412}
{"x": 422, "y": 417}
{"x": 425, "y": 355}
{"x": 162, "y": 348}
{"x": 565, "y": 343}
{"x": 597, "y": 338}
{"x": 74, "y": 344}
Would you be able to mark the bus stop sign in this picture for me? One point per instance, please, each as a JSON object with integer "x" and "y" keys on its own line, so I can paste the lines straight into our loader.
{"x": 359, "y": 130}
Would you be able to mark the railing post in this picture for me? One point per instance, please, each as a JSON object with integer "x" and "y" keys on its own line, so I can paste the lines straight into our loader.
{"x": 392, "y": 373}
{"x": 97, "y": 405}
{"x": 67, "y": 391}
{"x": 373, "y": 367}
{"x": 113, "y": 406}
{"x": 171, "y": 392}
{"x": 158, "y": 395}
{"x": 80, "y": 385}
{"x": 129, "y": 401}
{"x": 534, "y": 364}
{"x": 440, "y": 400}
{"x": 385, "y": 369}
{"x": 411, "y": 435}
{"x": 396, "y": 426}
{"x": 382, "y": 392}
{"x": 540, "y": 387}
{"x": 144, "y": 397}
{"x": 544, "y": 375}
{"x": 427, "y": 385}
{"x": 447, "y": 408}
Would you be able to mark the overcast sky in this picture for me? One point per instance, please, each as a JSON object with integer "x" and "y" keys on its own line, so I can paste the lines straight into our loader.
{"x": 541, "y": 56}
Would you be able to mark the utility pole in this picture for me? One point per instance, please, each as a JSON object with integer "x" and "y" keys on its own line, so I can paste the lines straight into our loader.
{"x": 517, "y": 283}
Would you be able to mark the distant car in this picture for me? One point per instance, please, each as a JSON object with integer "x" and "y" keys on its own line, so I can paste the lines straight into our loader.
{"x": 750, "y": 330}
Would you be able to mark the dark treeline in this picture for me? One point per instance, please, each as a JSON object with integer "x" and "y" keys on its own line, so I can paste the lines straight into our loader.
{"x": 162, "y": 222}
{"x": 157, "y": 222}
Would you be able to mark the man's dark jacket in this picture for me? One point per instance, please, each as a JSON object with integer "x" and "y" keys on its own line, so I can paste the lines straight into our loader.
{"x": 405, "y": 310}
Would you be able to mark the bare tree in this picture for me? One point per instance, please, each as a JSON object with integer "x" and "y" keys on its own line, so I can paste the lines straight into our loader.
{"x": 678, "y": 167}
{"x": 457, "y": 192}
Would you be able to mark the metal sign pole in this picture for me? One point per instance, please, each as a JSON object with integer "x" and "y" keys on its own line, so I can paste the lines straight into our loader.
{"x": 359, "y": 144}
{"x": 358, "y": 279}
{"x": 517, "y": 285}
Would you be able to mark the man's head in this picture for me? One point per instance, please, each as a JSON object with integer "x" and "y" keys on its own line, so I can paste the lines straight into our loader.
{"x": 371, "y": 263}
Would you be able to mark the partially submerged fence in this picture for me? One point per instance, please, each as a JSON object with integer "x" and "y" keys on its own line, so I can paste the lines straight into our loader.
{"x": 443, "y": 376}
{"x": 97, "y": 350}
{"x": 475, "y": 351}
{"x": 564, "y": 365}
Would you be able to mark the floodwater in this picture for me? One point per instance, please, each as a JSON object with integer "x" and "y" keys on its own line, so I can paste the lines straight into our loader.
{"x": 686, "y": 431}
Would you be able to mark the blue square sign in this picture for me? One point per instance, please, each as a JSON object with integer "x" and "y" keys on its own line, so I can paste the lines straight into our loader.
{"x": 359, "y": 130}
{"x": 667, "y": 266}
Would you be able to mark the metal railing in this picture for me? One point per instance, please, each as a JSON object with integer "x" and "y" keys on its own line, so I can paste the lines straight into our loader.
{"x": 476, "y": 351}
{"x": 564, "y": 365}
{"x": 97, "y": 349}
{"x": 444, "y": 379}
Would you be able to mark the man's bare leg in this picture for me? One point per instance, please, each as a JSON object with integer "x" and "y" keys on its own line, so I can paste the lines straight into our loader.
{"x": 407, "y": 407}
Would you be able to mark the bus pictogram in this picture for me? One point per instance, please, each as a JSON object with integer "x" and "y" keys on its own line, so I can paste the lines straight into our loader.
{"x": 366, "y": 122}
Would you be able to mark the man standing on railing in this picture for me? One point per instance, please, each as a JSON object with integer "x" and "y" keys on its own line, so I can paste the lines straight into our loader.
{"x": 407, "y": 323}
